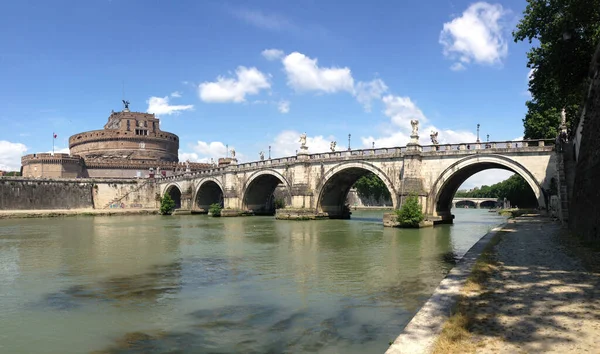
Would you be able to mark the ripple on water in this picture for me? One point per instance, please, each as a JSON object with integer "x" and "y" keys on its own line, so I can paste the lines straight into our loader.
{"x": 161, "y": 281}
{"x": 237, "y": 328}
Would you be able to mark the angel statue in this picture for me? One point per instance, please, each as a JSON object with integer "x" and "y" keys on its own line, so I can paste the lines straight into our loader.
{"x": 415, "y": 126}
{"x": 126, "y": 103}
{"x": 332, "y": 146}
{"x": 262, "y": 156}
{"x": 433, "y": 137}
{"x": 303, "y": 139}
{"x": 232, "y": 153}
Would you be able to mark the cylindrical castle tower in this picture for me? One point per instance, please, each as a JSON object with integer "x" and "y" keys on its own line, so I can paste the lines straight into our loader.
{"x": 127, "y": 136}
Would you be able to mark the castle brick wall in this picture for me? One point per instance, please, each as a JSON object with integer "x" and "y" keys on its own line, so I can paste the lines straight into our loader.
{"x": 33, "y": 194}
{"x": 17, "y": 193}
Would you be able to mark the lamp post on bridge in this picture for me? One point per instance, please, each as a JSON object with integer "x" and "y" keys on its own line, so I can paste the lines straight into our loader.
{"x": 478, "y": 132}
{"x": 269, "y": 152}
{"x": 349, "y": 135}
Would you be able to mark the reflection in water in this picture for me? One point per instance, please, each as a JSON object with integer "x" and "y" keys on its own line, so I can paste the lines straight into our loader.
{"x": 198, "y": 284}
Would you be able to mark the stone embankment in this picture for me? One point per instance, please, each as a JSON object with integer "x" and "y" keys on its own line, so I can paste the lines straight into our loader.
{"x": 538, "y": 298}
{"x": 15, "y": 214}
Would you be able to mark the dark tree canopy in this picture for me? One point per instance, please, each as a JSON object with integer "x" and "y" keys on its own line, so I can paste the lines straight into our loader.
{"x": 565, "y": 33}
{"x": 515, "y": 189}
{"x": 372, "y": 186}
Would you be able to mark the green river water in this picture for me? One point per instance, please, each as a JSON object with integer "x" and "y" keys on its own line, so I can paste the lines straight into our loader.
{"x": 196, "y": 284}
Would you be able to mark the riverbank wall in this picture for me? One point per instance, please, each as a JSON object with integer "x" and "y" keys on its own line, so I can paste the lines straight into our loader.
{"x": 18, "y": 193}
{"x": 584, "y": 206}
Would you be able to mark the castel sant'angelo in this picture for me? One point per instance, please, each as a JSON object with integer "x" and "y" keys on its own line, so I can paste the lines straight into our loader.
{"x": 131, "y": 145}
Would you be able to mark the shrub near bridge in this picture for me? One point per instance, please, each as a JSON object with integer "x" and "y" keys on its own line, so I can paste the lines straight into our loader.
{"x": 167, "y": 205}
{"x": 215, "y": 209}
{"x": 410, "y": 214}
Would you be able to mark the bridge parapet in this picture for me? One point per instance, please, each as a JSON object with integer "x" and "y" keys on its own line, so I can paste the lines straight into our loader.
{"x": 361, "y": 154}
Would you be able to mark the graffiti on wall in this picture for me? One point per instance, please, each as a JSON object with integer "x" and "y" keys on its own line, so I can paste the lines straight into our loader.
{"x": 116, "y": 205}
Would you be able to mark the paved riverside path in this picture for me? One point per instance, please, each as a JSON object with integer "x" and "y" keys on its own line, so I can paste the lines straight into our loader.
{"x": 541, "y": 299}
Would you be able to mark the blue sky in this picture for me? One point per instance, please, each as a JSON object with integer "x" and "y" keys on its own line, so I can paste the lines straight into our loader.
{"x": 257, "y": 74}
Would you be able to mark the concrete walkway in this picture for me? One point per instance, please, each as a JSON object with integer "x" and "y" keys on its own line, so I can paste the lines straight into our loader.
{"x": 541, "y": 299}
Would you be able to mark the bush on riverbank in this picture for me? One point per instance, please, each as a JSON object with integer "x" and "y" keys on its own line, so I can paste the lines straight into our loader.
{"x": 215, "y": 209}
{"x": 410, "y": 214}
{"x": 167, "y": 205}
{"x": 279, "y": 203}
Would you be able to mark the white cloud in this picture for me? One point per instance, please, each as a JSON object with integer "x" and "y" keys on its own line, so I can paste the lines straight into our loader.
{"x": 283, "y": 106}
{"x": 366, "y": 92}
{"x": 160, "y": 106}
{"x": 476, "y": 36}
{"x": 304, "y": 74}
{"x": 457, "y": 67}
{"x": 10, "y": 155}
{"x": 203, "y": 151}
{"x": 60, "y": 151}
{"x": 287, "y": 143}
{"x": 272, "y": 54}
{"x": 248, "y": 81}
{"x": 486, "y": 178}
{"x": 176, "y": 94}
{"x": 263, "y": 20}
{"x": 402, "y": 110}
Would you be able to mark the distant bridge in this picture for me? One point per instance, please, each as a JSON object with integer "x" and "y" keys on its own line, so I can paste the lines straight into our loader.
{"x": 317, "y": 184}
{"x": 476, "y": 202}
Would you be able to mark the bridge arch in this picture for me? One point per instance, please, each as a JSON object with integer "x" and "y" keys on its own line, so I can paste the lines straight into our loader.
{"x": 337, "y": 182}
{"x": 208, "y": 191}
{"x": 174, "y": 191}
{"x": 452, "y": 177}
{"x": 259, "y": 189}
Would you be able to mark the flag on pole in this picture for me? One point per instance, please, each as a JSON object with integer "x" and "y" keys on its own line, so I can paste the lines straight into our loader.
{"x": 54, "y": 135}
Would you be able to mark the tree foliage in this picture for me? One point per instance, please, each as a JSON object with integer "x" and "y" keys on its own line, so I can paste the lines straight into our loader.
{"x": 215, "y": 209}
{"x": 371, "y": 186}
{"x": 167, "y": 205}
{"x": 515, "y": 189}
{"x": 411, "y": 213}
{"x": 566, "y": 33}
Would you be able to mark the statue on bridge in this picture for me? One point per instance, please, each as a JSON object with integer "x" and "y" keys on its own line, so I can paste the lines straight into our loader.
{"x": 302, "y": 140}
{"x": 433, "y": 137}
{"x": 415, "y": 126}
{"x": 333, "y": 145}
{"x": 262, "y": 156}
{"x": 232, "y": 153}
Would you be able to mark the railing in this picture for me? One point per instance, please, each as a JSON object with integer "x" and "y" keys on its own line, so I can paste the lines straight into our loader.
{"x": 379, "y": 152}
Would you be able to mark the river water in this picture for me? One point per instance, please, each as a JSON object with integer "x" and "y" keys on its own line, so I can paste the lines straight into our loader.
{"x": 195, "y": 284}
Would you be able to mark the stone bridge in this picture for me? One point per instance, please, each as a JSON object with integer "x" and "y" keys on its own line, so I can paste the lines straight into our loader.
{"x": 316, "y": 185}
{"x": 475, "y": 202}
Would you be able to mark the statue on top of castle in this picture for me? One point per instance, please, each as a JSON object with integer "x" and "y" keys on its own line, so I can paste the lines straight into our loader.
{"x": 126, "y": 104}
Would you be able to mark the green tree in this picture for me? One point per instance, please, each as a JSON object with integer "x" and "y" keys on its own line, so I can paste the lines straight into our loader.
{"x": 515, "y": 189}
{"x": 540, "y": 122}
{"x": 566, "y": 33}
{"x": 411, "y": 213}
{"x": 371, "y": 186}
{"x": 215, "y": 209}
{"x": 167, "y": 205}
